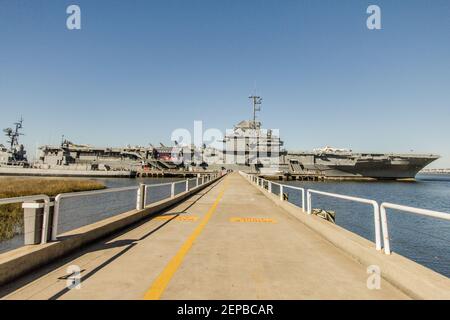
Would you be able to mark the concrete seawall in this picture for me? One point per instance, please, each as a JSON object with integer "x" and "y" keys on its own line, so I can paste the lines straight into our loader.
{"x": 18, "y": 262}
{"x": 412, "y": 278}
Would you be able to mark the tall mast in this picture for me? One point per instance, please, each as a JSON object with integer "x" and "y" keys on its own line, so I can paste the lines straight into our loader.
{"x": 256, "y": 107}
{"x": 13, "y": 135}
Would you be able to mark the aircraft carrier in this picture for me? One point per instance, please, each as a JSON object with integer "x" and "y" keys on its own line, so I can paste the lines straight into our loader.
{"x": 325, "y": 163}
{"x": 344, "y": 164}
{"x": 247, "y": 147}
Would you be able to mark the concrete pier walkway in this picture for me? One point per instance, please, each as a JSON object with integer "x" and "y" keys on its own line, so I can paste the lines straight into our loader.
{"x": 229, "y": 241}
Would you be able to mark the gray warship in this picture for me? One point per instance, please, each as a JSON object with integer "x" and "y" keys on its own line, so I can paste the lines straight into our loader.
{"x": 344, "y": 164}
{"x": 14, "y": 162}
{"x": 326, "y": 163}
{"x": 248, "y": 146}
{"x": 14, "y": 154}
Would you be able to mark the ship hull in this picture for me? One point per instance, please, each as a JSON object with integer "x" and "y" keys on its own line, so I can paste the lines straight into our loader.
{"x": 380, "y": 167}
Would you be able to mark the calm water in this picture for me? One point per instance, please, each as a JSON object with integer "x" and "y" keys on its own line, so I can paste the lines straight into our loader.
{"x": 424, "y": 240}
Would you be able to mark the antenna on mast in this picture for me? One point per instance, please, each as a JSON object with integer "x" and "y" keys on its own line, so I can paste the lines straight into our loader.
{"x": 257, "y": 101}
{"x": 13, "y": 134}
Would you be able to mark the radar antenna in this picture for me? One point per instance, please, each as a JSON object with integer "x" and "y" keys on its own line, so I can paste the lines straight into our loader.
{"x": 13, "y": 134}
{"x": 257, "y": 101}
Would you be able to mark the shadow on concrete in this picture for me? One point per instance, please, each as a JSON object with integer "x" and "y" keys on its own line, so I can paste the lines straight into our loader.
{"x": 104, "y": 244}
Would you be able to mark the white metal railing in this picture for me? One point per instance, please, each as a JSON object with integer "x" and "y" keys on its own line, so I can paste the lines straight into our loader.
{"x": 140, "y": 196}
{"x": 379, "y": 211}
{"x": 61, "y": 196}
{"x": 423, "y": 212}
{"x": 376, "y": 209}
{"x": 140, "y": 199}
{"x": 260, "y": 182}
{"x": 40, "y": 197}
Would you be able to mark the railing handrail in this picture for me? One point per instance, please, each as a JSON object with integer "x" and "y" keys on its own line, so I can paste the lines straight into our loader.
{"x": 423, "y": 212}
{"x": 87, "y": 193}
{"x": 292, "y": 187}
{"x": 248, "y": 176}
{"x": 342, "y": 196}
{"x": 419, "y": 211}
{"x": 335, "y": 195}
{"x": 380, "y": 216}
{"x": 24, "y": 199}
{"x": 46, "y": 216}
{"x": 163, "y": 184}
{"x": 376, "y": 210}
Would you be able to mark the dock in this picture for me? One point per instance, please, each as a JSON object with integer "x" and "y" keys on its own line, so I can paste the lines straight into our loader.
{"x": 229, "y": 240}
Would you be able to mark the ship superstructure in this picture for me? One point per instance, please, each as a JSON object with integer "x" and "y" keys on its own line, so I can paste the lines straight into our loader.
{"x": 14, "y": 153}
{"x": 250, "y": 145}
{"x": 85, "y": 157}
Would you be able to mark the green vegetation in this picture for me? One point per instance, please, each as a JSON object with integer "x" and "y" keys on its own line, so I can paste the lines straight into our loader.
{"x": 11, "y": 215}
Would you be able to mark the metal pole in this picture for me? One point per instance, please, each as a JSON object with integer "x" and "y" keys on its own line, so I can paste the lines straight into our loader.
{"x": 172, "y": 190}
{"x": 55, "y": 218}
{"x": 309, "y": 202}
{"x": 384, "y": 225}
{"x": 187, "y": 185}
{"x": 45, "y": 221}
{"x": 281, "y": 193}
{"x": 303, "y": 200}
{"x": 376, "y": 214}
{"x": 140, "y": 197}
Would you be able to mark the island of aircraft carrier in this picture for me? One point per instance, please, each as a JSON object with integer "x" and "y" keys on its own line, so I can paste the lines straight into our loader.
{"x": 247, "y": 147}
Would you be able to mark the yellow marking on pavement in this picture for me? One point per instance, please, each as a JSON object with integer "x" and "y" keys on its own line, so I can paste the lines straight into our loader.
{"x": 161, "y": 282}
{"x": 257, "y": 220}
{"x": 179, "y": 218}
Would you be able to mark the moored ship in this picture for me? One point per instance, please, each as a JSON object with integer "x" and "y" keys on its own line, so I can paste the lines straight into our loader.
{"x": 247, "y": 147}
{"x": 344, "y": 164}
{"x": 325, "y": 163}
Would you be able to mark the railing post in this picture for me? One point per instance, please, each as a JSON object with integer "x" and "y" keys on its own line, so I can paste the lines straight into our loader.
{"x": 303, "y": 200}
{"x": 140, "y": 197}
{"x": 55, "y": 218}
{"x": 309, "y": 202}
{"x": 172, "y": 190}
{"x": 376, "y": 213}
{"x": 196, "y": 182}
{"x": 281, "y": 193}
{"x": 187, "y": 185}
{"x": 270, "y": 187}
{"x": 45, "y": 222}
{"x": 33, "y": 214}
{"x": 384, "y": 226}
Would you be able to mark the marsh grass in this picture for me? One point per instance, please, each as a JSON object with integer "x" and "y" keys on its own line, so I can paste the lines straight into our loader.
{"x": 11, "y": 215}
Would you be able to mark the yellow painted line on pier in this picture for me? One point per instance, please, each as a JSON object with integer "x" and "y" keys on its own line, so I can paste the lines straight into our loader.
{"x": 161, "y": 282}
{"x": 255, "y": 220}
{"x": 179, "y": 218}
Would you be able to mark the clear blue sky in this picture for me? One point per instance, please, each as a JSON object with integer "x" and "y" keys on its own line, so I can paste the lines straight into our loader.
{"x": 139, "y": 69}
